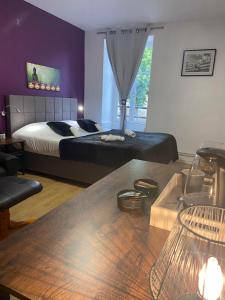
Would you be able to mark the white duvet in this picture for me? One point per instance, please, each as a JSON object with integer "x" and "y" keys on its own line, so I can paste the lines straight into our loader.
{"x": 40, "y": 138}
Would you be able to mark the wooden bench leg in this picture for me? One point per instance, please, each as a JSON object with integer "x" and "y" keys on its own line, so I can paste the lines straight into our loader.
{"x": 4, "y": 295}
{"x": 4, "y": 223}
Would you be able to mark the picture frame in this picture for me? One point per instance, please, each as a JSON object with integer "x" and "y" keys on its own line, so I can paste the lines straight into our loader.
{"x": 198, "y": 62}
{"x": 43, "y": 78}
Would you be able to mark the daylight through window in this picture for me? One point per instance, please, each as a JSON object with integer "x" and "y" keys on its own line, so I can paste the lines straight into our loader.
{"x": 137, "y": 103}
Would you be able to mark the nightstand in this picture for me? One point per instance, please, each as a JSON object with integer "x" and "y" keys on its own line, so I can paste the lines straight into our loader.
{"x": 9, "y": 145}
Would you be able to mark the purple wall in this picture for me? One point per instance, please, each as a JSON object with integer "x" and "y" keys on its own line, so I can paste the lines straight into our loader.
{"x": 29, "y": 34}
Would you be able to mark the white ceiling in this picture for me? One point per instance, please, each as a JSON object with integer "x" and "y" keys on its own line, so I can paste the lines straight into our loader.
{"x": 96, "y": 14}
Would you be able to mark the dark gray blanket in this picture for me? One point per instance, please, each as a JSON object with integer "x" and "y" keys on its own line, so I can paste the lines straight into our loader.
{"x": 156, "y": 147}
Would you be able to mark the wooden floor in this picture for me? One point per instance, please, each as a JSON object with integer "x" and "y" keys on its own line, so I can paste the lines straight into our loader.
{"x": 54, "y": 193}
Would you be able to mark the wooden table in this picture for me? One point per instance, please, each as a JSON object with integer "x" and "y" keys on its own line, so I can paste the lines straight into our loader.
{"x": 11, "y": 141}
{"x": 87, "y": 248}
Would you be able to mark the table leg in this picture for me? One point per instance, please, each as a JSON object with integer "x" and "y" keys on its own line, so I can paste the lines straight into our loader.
{"x": 4, "y": 223}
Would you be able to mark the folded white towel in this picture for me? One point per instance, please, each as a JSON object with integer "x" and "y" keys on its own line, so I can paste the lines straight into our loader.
{"x": 130, "y": 133}
{"x": 112, "y": 137}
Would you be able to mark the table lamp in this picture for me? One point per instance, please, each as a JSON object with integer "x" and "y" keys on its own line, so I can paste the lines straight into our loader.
{"x": 191, "y": 265}
{"x": 3, "y": 112}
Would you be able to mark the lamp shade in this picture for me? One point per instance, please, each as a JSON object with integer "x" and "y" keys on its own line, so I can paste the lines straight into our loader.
{"x": 192, "y": 262}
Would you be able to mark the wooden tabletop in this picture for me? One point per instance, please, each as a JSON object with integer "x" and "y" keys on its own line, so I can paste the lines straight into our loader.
{"x": 10, "y": 141}
{"x": 87, "y": 248}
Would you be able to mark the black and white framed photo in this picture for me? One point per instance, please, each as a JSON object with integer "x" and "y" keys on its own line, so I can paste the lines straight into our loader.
{"x": 198, "y": 62}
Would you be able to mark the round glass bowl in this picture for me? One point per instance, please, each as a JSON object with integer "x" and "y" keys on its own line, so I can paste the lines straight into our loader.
{"x": 147, "y": 186}
{"x": 131, "y": 200}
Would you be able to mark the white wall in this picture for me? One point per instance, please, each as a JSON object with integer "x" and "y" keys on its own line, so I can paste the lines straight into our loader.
{"x": 191, "y": 108}
{"x": 94, "y": 46}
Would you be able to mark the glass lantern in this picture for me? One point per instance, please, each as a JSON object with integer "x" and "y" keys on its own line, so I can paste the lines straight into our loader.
{"x": 191, "y": 265}
{"x": 205, "y": 181}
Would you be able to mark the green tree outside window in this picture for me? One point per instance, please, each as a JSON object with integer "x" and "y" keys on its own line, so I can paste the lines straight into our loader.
{"x": 143, "y": 79}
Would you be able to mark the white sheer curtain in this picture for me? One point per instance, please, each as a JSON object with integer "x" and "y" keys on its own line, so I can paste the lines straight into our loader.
{"x": 125, "y": 50}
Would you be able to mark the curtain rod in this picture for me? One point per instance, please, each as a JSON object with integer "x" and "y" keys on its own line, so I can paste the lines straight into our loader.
{"x": 141, "y": 29}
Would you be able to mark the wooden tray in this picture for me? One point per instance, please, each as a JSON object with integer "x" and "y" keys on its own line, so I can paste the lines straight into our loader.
{"x": 163, "y": 212}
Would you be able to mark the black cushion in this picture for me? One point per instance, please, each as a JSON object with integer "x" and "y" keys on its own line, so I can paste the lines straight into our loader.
{"x": 60, "y": 128}
{"x": 14, "y": 190}
{"x": 87, "y": 125}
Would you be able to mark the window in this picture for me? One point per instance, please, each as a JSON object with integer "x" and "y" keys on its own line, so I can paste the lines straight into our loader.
{"x": 137, "y": 103}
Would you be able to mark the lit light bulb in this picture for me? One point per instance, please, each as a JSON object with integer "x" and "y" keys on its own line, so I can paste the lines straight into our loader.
{"x": 210, "y": 280}
{"x": 80, "y": 108}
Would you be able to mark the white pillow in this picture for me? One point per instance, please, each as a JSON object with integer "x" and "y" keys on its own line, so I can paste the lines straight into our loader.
{"x": 40, "y": 129}
{"x": 98, "y": 126}
{"x": 71, "y": 123}
{"x": 75, "y": 131}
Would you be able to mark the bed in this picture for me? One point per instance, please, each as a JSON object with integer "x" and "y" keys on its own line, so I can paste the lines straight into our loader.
{"x": 84, "y": 158}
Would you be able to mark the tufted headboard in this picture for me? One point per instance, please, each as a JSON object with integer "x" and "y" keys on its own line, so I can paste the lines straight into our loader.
{"x": 38, "y": 109}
